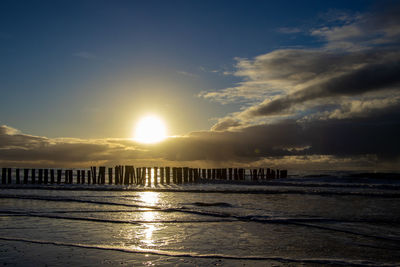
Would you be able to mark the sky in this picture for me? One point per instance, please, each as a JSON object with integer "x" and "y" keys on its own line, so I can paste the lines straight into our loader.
{"x": 291, "y": 84}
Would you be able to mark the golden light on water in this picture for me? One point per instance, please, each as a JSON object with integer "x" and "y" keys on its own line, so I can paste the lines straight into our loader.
{"x": 150, "y": 129}
{"x": 149, "y": 198}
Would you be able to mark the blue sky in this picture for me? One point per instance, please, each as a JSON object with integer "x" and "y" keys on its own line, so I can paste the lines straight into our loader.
{"x": 64, "y": 63}
{"x": 292, "y": 84}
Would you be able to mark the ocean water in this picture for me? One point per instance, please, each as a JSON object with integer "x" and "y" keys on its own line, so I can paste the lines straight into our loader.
{"x": 333, "y": 220}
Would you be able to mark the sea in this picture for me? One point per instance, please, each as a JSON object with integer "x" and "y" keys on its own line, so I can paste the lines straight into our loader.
{"x": 319, "y": 219}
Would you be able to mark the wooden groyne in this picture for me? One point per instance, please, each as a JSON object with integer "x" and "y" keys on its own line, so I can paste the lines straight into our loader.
{"x": 129, "y": 175}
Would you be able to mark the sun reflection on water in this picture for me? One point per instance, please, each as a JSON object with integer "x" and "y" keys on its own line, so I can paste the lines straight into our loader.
{"x": 149, "y": 198}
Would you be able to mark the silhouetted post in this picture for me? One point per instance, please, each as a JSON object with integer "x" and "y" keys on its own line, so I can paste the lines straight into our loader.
{"x": 214, "y": 173}
{"x": 102, "y": 175}
{"x": 196, "y": 175}
{"x": 4, "y": 175}
{"x": 110, "y": 175}
{"x": 94, "y": 174}
{"x": 161, "y": 175}
{"x": 230, "y": 174}
{"x": 277, "y": 173}
{"x": 83, "y": 176}
{"x": 9, "y": 175}
{"x": 143, "y": 175}
{"x": 190, "y": 170}
{"x": 66, "y": 177}
{"x": 185, "y": 174}
{"x": 218, "y": 174}
{"x": 89, "y": 175}
{"x": 273, "y": 174}
{"x": 283, "y": 174}
{"x": 208, "y": 174}
{"x": 52, "y": 176}
{"x": 26, "y": 174}
{"x": 261, "y": 173}
{"x": 33, "y": 176}
{"x": 269, "y": 173}
{"x": 59, "y": 176}
{"x": 133, "y": 175}
{"x": 254, "y": 175}
{"x": 155, "y": 175}
{"x": 179, "y": 175}
{"x": 235, "y": 174}
{"x": 167, "y": 175}
{"x": 174, "y": 175}
{"x": 241, "y": 174}
{"x": 46, "y": 176}
{"x": 138, "y": 176}
{"x": 17, "y": 177}
{"x": 40, "y": 179}
{"x": 78, "y": 176}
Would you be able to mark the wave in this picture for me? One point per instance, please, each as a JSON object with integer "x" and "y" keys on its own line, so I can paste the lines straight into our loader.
{"x": 207, "y": 204}
{"x": 302, "y": 189}
{"x": 199, "y": 255}
{"x": 302, "y": 222}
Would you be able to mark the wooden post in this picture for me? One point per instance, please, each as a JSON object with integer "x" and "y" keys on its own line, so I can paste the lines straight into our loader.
{"x": 155, "y": 175}
{"x": 167, "y": 174}
{"x": 143, "y": 173}
{"x": 89, "y": 175}
{"x": 230, "y": 174}
{"x": 196, "y": 175}
{"x": 273, "y": 174}
{"x": 94, "y": 174}
{"x": 59, "y": 176}
{"x": 17, "y": 176}
{"x": 46, "y": 176}
{"x": 26, "y": 174}
{"x": 83, "y": 176}
{"x": 254, "y": 175}
{"x": 241, "y": 174}
{"x": 40, "y": 179}
{"x": 204, "y": 173}
{"x": 52, "y": 176}
{"x": 9, "y": 175}
{"x": 185, "y": 174}
{"x": 269, "y": 173}
{"x": 78, "y": 176}
{"x": 102, "y": 175}
{"x": 261, "y": 173}
{"x": 110, "y": 175}
{"x": 66, "y": 177}
{"x": 191, "y": 180}
{"x": 33, "y": 176}
{"x": 283, "y": 174}
{"x": 218, "y": 173}
{"x": 4, "y": 175}
{"x": 174, "y": 175}
{"x": 138, "y": 176}
{"x": 179, "y": 175}
{"x": 213, "y": 174}
{"x": 162, "y": 175}
{"x": 277, "y": 173}
{"x": 149, "y": 176}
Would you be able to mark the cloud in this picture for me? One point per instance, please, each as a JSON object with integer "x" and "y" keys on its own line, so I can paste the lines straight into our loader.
{"x": 187, "y": 74}
{"x": 358, "y": 62}
{"x": 320, "y": 142}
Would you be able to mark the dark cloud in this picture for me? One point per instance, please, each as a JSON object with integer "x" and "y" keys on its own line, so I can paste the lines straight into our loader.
{"x": 372, "y": 77}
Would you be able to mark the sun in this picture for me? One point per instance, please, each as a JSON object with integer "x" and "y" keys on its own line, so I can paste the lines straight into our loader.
{"x": 150, "y": 129}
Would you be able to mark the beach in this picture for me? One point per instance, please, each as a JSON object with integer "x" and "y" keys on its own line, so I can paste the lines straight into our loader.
{"x": 310, "y": 221}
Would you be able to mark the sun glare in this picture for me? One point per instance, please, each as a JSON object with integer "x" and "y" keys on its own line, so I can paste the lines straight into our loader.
{"x": 150, "y": 129}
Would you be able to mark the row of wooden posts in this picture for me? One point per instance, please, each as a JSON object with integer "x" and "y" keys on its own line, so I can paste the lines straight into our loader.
{"x": 128, "y": 175}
